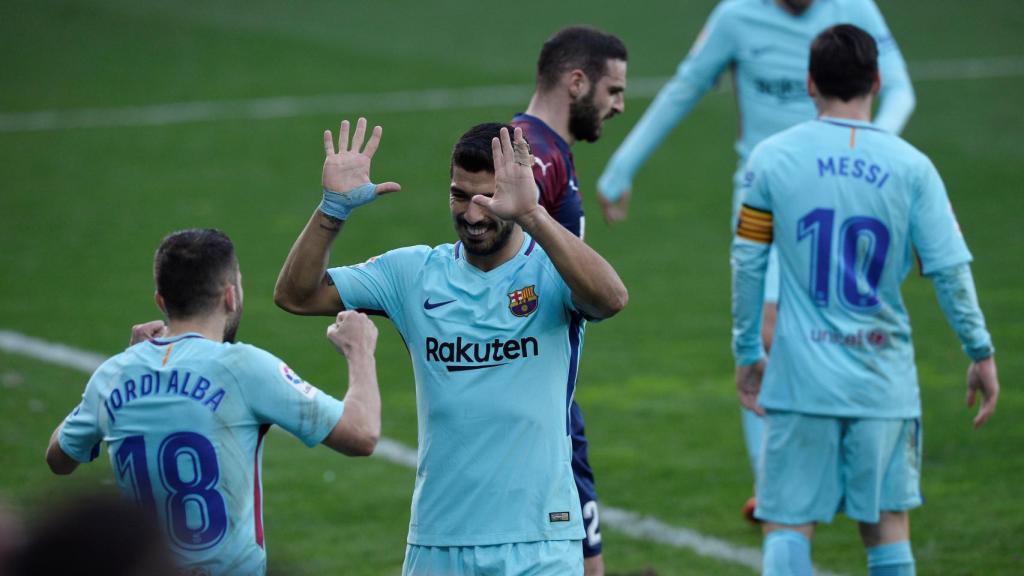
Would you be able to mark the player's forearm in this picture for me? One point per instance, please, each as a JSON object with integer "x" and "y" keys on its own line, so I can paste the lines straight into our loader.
{"x": 896, "y": 104}
{"x": 360, "y": 423}
{"x": 304, "y": 271}
{"x": 958, "y": 299}
{"x": 749, "y": 260}
{"x": 673, "y": 102}
{"x": 596, "y": 287}
{"x": 59, "y": 462}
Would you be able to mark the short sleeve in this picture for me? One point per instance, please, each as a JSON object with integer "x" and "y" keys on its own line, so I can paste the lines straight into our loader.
{"x": 381, "y": 283}
{"x": 277, "y": 395}
{"x": 80, "y": 436}
{"x": 933, "y": 228}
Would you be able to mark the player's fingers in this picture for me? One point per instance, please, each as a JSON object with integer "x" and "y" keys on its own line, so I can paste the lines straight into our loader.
{"x": 359, "y": 135}
{"x": 328, "y": 143}
{"x": 373, "y": 143}
{"x": 341, "y": 316}
{"x": 343, "y": 137}
{"x": 499, "y": 158}
{"x": 388, "y": 187}
{"x": 506, "y": 147}
{"x": 988, "y": 408}
{"x": 483, "y": 201}
{"x": 971, "y": 391}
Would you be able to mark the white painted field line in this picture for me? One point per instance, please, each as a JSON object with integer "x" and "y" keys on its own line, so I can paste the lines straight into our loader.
{"x": 405, "y": 101}
{"x": 630, "y": 523}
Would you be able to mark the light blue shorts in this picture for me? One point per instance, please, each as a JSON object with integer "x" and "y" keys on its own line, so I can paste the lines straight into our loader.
{"x": 543, "y": 558}
{"x": 815, "y": 466}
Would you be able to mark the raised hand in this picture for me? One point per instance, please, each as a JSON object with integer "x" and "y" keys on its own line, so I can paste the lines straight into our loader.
{"x": 982, "y": 377}
{"x": 349, "y": 167}
{"x": 748, "y": 385}
{"x": 515, "y": 191}
{"x": 353, "y": 333}
{"x": 147, "y": 331}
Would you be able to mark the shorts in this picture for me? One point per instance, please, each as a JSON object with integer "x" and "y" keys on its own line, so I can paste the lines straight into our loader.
{"x": 543, "y": 558}
{"x": 584, "y": 477}
{"x": 815, "y": 466}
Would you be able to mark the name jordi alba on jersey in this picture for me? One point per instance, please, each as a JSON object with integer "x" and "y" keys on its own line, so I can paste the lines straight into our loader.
{"x": 495, "y": 355}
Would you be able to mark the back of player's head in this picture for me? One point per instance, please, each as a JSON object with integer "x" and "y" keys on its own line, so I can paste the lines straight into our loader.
{"x": 578, "y": 47}
{"x": 472, "y": 152}
{"x": 191, "y": 268}
{"x": 844, "y": 62}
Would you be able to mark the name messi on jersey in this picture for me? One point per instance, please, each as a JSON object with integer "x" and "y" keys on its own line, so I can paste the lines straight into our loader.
{"x": 469, "y": 352}
{"x": 181, "y": 384}
{"x": 853, "y": 168}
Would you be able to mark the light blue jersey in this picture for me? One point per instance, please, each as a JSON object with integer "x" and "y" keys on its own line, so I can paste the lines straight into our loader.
{"x": 768, "y": 50}
{"x": 846, "y": 205}
{"x": 495, "y": 356}
{"x": 184, "y": 420}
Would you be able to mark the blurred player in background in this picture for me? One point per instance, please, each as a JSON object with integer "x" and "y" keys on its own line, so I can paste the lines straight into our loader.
{"x": 765, "y": 44}
{"x": 846, "y": 205}
{"x": 494, "y": 326}
{"x": 184, "y": 409}
{"x": 581, "y": 81}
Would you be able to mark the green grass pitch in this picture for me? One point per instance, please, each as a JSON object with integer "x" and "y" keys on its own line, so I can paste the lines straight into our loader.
{"x": 81, "y": 211}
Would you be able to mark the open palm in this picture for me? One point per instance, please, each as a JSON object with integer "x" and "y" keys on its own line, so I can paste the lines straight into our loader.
{"x": 349, "y": 167}
{"x": 515, "y": 191}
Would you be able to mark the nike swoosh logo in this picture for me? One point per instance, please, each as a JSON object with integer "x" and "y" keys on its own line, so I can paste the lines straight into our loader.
{"x": 428, "y": 305}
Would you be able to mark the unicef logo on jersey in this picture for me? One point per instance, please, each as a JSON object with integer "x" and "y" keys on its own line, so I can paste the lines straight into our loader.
{"x": 523, "y": 302}
{"x": 289, "y": 375}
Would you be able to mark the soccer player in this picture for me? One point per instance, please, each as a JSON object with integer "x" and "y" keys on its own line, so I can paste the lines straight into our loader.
{"x": 765, "y": 44}
{"x": 184, "y": 414}
{"x": 494, "y": 326}
{"x": 846, "y": 204}
{"x": 581, "y": 80}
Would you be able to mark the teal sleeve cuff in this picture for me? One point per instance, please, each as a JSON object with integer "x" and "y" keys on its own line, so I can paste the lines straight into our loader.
{"x": 958, "y": 299}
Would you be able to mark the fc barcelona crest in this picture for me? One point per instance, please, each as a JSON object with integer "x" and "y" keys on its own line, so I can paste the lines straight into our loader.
{"x": 523, "y": 302}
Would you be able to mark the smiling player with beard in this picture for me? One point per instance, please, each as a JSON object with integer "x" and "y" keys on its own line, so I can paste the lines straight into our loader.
{"x": 581, "y": 81}
{"x": 494, "y": 327}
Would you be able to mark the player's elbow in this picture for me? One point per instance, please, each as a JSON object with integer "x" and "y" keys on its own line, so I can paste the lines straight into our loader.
{"x": 365, "y": 444}
{"x": 284, "y": 299}
{"x": 616, "y": 301}
{"x": 59, "y": 462}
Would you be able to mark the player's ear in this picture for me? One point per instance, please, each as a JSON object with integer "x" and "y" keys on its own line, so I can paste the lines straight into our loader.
{"x": 578, "y": 83}
{"x": 159, "y": 302}
{"x": 812, "y": 90}
{"x": 876, "y": 86}
{"x": 231, "y": 297}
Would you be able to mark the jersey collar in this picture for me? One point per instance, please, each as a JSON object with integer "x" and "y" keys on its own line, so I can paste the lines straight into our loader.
{"x": 849, "y": 123}
{"x": 542, "y": 125}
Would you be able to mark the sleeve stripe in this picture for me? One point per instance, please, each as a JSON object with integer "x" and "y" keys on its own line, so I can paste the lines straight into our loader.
{"x": 755, "y": 225}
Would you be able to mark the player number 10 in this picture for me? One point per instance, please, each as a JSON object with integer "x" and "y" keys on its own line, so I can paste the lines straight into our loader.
{"x": 864, "y": 244}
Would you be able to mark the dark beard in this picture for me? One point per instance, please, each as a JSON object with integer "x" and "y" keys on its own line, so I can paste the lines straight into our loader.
{"x": 499, "y": 242}
{"x": 585, "y": 119}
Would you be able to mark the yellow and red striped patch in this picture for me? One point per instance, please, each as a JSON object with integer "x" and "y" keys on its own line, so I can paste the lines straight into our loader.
{"x": 755, "y": 225}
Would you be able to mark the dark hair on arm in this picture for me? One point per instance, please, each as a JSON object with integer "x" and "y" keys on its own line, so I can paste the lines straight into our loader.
{"x": 191, "y": 268}
{"x": 472, "y": 152}
{"x": 844, "y": 62}
{"x": 582, "y": 47}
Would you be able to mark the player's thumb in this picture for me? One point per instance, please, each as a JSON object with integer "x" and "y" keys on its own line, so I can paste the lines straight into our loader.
{"x": 388, "y": 187}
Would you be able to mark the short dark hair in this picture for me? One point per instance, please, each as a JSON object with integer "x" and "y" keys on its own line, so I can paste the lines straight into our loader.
{"x": 191, "y": 268}
{"x": 583, "y": 47}
{"x": 844, "y": 62}
{"x": 472, "y": 152}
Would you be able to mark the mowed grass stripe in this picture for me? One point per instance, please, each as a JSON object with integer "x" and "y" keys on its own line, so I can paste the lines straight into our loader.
{"x": 630, "y": 523}
{"x": 425, "y": 100}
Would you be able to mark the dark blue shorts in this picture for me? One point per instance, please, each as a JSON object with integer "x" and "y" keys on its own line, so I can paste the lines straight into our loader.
{"x": 584, "y": 483}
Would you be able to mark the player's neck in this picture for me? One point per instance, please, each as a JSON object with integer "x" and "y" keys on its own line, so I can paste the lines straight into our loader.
{"x": 855, "y": 109}
{"x": 507, "y": 252}
{"x": 210, "y": 327}
{"x": 554, "y": 113}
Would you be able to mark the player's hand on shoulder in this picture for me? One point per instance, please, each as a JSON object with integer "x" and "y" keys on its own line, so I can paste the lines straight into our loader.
{"x": 515, "y": 190}
{"x": 147, "y": 331}
{"x": 615, "y": 211}
{"x": 348, "y": 168}
{"x": 748, "y": 385}
{"x": 983, "y": 378}
{"x": 353, "y": 334}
